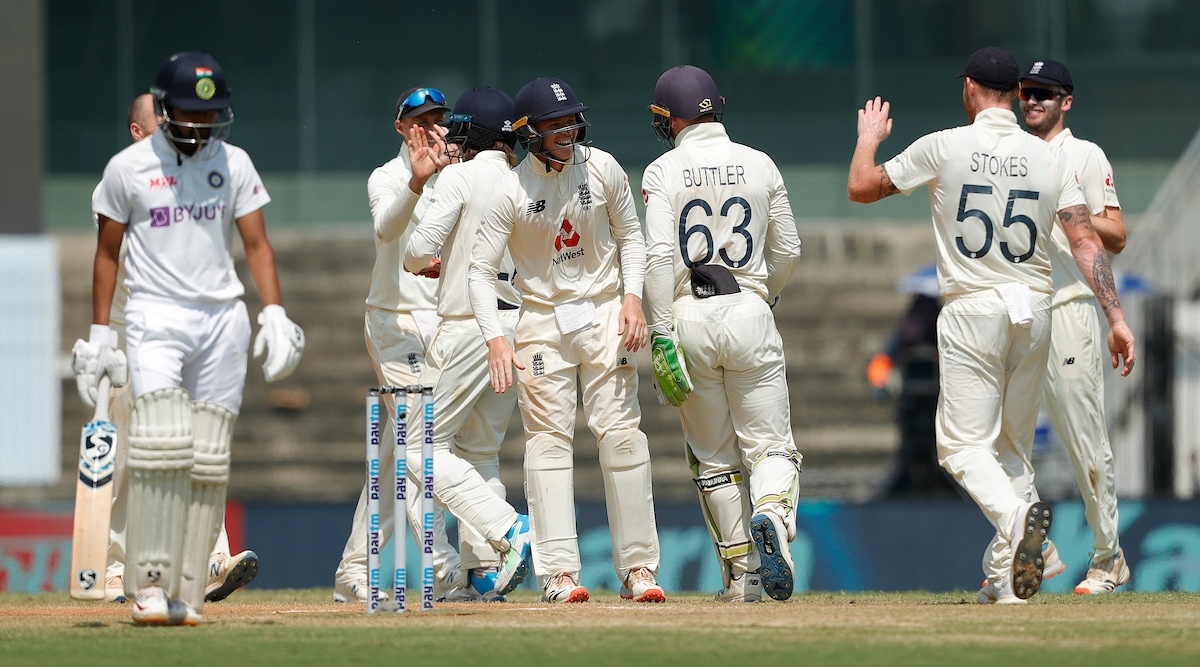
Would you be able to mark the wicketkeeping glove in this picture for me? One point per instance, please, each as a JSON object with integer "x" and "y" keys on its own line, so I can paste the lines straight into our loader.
{"x": 671, "y": 379}
{"x": 281, "y": 339}
{"x": 96, "y": 357}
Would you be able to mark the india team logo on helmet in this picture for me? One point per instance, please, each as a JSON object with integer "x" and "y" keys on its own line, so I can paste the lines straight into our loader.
{"x": 548, "y": 98}
{"x": 192, "y": 81}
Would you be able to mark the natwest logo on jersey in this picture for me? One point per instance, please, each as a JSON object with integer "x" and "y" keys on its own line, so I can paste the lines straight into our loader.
{"x": 567, "y": 236}
{"x": 163, "y": 216}
{"x": 159, "y": 182}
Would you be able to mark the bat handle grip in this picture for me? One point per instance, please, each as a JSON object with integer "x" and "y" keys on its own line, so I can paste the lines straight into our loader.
{"x": 102, "y": 394}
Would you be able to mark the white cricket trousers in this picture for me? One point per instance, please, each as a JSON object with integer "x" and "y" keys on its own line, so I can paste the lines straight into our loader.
{"x": 991, "y": 389}
{"x": 739, "y": 413}
{"x": 547, "y": 398}
{"x": 1074, "y": 396}
{"x": 469, "y": 423}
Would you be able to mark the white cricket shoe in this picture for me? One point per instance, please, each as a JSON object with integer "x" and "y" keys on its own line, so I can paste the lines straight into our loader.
{"x": 514, "y": 563}
{"x": 114, "y": 589}
{"x": 150, "y": 607}
{"x": 640, "y": 586}
{"x": 745, "y": 587}
{"x": 182, "y": 613}
{"x": 564, "y": 587}
{"x": 345, "y": 590}
{"x": 777, "y": 571}
{"x": 1030, "y": 528}
{"x": 228, "y": 573}
{"x": 998, "y": 593}
{"x": 1104, "y": 576}
{"x": 1053, "y": 564}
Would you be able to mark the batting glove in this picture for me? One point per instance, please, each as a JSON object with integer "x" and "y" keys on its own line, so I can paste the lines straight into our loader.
{"x": 96, "y": 357}
{"x": 281, "y": 339}
{"x": 671, "y": 380}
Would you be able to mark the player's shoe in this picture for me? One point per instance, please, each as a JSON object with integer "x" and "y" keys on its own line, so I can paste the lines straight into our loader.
{"x": 228, "y": 573}
{"x": 451, "y": 585}
{"x": 745, "y": 587}
{"x": 998, "y": 593}
{"x": 345, "y": 590}
{"x": 1053, "y": 564}
{"x": 777, "y": 569}
{"x": 150, "y": 606}
{"x": 1104, "y": 576}
{"x": 1030, "y": 529}
{"x": 483, "y": 583}
{"x": 182, "y": 613}
{"x": 514, "y": 563}
{"x": 114, "y": 589}
{"x": 564, "y": 587}
{"x": 640, "y": 586}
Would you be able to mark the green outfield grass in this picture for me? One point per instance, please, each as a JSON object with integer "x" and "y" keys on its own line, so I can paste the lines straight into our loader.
{"x": 302, "y": 627}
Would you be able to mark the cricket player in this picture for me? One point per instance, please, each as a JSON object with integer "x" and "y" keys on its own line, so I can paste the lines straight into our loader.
{"x": 400, "y": 320}
{"x": 227, "y": 573}
{"x": 567, "y": 217}
{"x": 995, "y": 192}
{"x": 470, "y": 420}
{"x": 1074, "y": 388}
{"x": 709, "y": 291}
{"x": 177, "y": 197}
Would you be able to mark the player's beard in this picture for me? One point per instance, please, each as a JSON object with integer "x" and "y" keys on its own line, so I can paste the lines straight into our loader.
{"x": 1043, "y": 122}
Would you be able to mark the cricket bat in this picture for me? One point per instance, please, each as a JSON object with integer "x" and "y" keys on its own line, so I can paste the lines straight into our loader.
{"x": 93, "y": 501}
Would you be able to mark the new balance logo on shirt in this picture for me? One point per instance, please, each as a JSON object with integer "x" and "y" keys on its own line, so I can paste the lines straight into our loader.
{"x": 536, "y": 207}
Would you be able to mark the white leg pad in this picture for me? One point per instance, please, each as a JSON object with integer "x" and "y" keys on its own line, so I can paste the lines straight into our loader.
{"x": 726, "y": 507}
{"x": 625, "y": 467}
{"x": 550, "y": 490}
{"x": 775, "y": 487}
{"x": 213, "y": 428}
{"x": 160, "y": 463}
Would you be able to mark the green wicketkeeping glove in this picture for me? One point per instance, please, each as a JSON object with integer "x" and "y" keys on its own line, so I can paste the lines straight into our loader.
{"x": 670, "y": 368}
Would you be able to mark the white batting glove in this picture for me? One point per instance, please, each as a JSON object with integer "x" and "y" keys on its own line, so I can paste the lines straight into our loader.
{"x": 281, "y": 339}
{"x": 96, "y": 357}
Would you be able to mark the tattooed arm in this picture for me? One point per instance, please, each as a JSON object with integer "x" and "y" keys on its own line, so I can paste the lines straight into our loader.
{"x": 869, "y": 182}
{"x": 1093, "y": 263}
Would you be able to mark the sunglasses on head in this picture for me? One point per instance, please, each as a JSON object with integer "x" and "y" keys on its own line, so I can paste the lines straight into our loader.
{"x": 1039, "y": 94}
{"x": 419, "y": 96}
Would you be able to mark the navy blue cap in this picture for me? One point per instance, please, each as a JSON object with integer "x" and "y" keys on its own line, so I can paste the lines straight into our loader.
{"x": 1050, "y": 72}
{"x": 545, "y": 98}
{"x": 688, "y": 92}
{"x": 488, "y": 108}
{"x": 993, "y": 67}
{"x": 192, "y": 81}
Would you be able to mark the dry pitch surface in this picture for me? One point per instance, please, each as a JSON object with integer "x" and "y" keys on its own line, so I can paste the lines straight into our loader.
{"x": 304, "y": 627}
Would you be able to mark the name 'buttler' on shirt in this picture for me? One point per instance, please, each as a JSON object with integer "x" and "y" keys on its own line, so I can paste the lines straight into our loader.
{"x": 698, "y": 177}
{"x": 999, "y": 165}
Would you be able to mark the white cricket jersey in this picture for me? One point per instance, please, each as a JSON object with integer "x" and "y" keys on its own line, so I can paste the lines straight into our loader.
{"x": 395, "y": 210}
{"x": 995, "y": 191}
{"x": 713, "y": 201}
{"x": 1096, "y": 179}
{"x": 573, "y": 235}
{"x": 450, "y": 225}
{"x": 179, "y": 214}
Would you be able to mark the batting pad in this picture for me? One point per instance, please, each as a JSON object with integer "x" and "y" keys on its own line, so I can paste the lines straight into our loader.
{"x": 160, "y": 462}
{"x": 775, "y": 486}
{"x": 213, "y": 428}
{"x": 625, "y": 467}
{"x": 726, "y": 507}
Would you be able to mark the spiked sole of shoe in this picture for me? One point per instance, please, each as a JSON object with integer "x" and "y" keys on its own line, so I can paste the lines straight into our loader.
{"x": 777, "y": 578}
{"x": 1028, "y": 564}
{"x": 241, "y": 574}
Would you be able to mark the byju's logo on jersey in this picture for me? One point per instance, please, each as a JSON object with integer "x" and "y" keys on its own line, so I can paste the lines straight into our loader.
{"x": 163, "y": 216}
{"x": 567, "y": 236}
{"x": 535, "y": 207}
{"x": 558, "y": 92}
{"x": 585, "y": 196}
{"x": 160, "y": 216}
